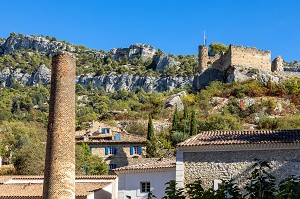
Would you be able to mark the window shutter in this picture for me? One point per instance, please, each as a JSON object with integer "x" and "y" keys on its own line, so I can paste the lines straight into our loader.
{"x": 140, "y": 150}
{"x": 115, "y": 150}
{"x": 91, "y": 149}
{"x": 131, "y": 150}
{"x": 106, "y": 150}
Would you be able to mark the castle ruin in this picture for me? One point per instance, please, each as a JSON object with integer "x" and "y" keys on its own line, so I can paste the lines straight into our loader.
{"x": 235, "y": 57}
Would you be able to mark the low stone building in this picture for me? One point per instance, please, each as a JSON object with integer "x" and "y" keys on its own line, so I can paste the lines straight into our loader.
{"x": 213, "y": 156}
{"x": 114, "y": 145}
{"x": 86, "y": 187}
{"x": 138, "y": 180}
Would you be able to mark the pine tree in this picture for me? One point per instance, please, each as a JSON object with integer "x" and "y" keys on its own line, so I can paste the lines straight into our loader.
{"x": 150, "y": 132}
{"x": 193, "y": 126}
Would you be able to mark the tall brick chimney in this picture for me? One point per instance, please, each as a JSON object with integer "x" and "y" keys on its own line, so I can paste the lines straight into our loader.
{"x": 59, "y": 174}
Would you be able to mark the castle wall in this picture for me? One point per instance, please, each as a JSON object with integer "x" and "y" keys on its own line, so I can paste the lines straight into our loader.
{"x": 223, "y": 62}
{"x": 250, "y": 57}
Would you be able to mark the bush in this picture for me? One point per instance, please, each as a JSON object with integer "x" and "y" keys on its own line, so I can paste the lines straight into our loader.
{"x": 220, "y": 122}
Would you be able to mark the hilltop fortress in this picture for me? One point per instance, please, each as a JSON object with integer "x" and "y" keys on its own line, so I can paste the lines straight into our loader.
{"x": 238, "y": 57}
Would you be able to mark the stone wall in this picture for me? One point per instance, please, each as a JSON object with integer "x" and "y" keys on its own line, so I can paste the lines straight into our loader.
{"x": 236, "y": 56}
{"x": 217, "y": 165}
{"x": 250, "y": 58}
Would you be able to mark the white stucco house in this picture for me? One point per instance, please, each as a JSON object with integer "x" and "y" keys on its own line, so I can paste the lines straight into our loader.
{"x": 213, "y": 156}
{"x": 86, "y": 187}
{"x": 138, "y": 180}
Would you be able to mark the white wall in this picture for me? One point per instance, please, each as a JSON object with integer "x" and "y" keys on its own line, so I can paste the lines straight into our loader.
{"x": 129, "y": 184}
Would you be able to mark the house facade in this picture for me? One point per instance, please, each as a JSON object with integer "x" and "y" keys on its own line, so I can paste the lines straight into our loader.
{"x": 138, "y": 180}
{"x": 213, "y": 156}
{"x": 114, "y": 145}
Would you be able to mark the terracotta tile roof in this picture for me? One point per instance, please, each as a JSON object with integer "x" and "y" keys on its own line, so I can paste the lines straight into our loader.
{"x": 242, "y": 137}
{"x": 124, "y": 138}
{"x": 25, "y": 190}
{"x": 156, "y": 164}
{"x": 40, "y": 177}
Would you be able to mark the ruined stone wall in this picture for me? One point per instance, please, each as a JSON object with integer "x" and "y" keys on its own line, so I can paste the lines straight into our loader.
{"x": 250, "y": 58}
{"x": 236, "y": 56}
{"x": 218, "y": 165}
{"x": 223, "y": 62}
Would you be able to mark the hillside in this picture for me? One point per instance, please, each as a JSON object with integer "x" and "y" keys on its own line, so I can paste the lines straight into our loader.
{"x": 124, "y": 86}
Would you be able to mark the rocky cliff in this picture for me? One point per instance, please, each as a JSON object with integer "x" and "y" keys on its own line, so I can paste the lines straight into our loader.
{"x": 109, "y": 82}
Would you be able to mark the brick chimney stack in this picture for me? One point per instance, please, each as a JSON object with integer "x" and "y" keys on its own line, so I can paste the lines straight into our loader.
{"x": 59, "y": 174}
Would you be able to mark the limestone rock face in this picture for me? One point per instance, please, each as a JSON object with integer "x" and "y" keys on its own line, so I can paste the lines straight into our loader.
{"x": 40, "y": 44}
{"x": 42, "y": 75}
{"x": 163, "y": 62}
{"x": 142, "y": 51}
{"x": 243, "y": 74}
{"x": 175, "y": 101}
{"x": 112, "y": 82}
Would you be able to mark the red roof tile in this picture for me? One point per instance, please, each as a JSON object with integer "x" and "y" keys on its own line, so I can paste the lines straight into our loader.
{"x": 156, "y": 164}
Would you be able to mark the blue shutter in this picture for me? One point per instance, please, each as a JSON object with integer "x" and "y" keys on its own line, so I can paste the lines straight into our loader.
{"x": 131, "y": 150}
{"x": 140, "y": 150}
{"x": 91, "y": 149}
{"x": 115, "y": 150}
{"x": 106, "y": 150}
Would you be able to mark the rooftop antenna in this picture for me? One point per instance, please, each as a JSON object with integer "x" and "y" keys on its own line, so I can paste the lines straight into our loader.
{"x": 204, "y": 38}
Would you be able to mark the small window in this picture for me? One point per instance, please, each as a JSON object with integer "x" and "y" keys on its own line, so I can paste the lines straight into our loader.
{"x": 110, "y": 150}
{"x": 145, "y": 187}
{"x": 136, "y": 150}
{"x": 112, "y": 166}
{"x": 105, "y": 130}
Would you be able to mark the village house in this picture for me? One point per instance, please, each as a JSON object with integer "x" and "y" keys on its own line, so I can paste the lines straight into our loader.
{"x": 114, "y": 145}
{"x": 213, "y": 156}
{"x": 86, "y": 187}
{"x": 138, "y": 180}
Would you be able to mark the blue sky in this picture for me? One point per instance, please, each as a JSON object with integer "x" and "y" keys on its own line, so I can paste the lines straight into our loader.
{"x": 174, "y": 26}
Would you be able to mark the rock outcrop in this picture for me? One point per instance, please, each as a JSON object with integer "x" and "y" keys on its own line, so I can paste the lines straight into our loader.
{"x": 163, "y": 61}
{"x": 142, "y": 51}
{"x": 40, "y": 44}
{"x": 174, "y": 101}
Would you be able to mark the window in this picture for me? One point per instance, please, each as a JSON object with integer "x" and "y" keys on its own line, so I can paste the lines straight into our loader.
{"x": 105, "y": 130}
{"x": 145, "y": 187}
{"x": 110, "y": 150}
{"x": 112, "y": 166}
{"x": 136, "y": 150}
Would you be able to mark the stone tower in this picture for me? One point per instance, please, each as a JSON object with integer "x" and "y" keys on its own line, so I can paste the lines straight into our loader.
{"x": 277, "y": 64}
{"x": 59, "y": 174}
{"x": 202, "y": 58}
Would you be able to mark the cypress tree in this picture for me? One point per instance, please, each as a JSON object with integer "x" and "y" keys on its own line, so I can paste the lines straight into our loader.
{"x": 175, "y": 121}
{"x": 193, "y": 126}
{"x": 151, "y": 141}
{"x": 150, "y": 132}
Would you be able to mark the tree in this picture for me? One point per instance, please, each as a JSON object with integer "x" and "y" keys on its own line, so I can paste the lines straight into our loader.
{"x": 193, "y": 126}
{"x": 150, "y": 132}
{"x": 218, "y": 47}
{"x": 172, "y": 192}
{"x": 262, "y": 183}
{"x": 151, "y": 140}
{"x": 289, "y": 188}
{"x": 175, "y": 121}
{"x": 89, "y": 164}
